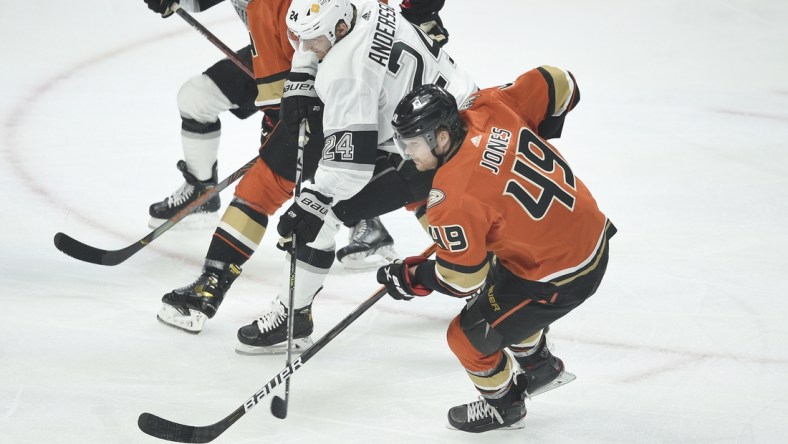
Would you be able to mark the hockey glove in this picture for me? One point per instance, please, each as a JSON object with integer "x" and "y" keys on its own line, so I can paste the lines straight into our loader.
{"x": 299, "y": 102}
{"x": 270, "y": 119}
{"x": 396, "y": 278}
{"x": 305, "y": 216}
{"x": 285, "y": 244}
{"x": 163, "y": 7}
{"x": 430, "y": 23}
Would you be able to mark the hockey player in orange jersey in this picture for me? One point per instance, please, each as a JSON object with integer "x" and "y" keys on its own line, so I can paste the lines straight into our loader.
{"x": 516, "y": 229}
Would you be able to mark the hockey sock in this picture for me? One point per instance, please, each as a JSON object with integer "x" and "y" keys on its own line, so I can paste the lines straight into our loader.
{"x": 237, "y": 236}
{"x": 200, "y": 146}
{"x": 312, "y": 268}
{"x": 494, "y": 383}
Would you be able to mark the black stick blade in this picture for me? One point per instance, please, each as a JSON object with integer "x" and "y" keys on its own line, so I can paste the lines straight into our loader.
{"x": 86, "y": 253}
{"x": 279, "y": 407}
{"x": 172, "y": 431}
{"x": 78, "y": 250}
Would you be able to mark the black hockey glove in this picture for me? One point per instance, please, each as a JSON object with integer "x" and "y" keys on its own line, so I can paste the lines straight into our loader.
{"x": 270, "y": 119}
{"x": 300, "y": 101}
{"x": 430, "y": 23}
{"x": 305, "y": 216}
{"x": 163, "y": 7}
{"x": 397, "y": 279}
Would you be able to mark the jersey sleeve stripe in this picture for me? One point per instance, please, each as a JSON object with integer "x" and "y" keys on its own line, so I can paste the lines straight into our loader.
{"x": 462, "y": 283}
{"x": 561, "y": 89}
{"x": 269, "y": 93}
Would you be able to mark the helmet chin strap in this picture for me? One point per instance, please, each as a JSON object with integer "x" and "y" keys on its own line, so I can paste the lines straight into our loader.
{"x": 454, "y": 145}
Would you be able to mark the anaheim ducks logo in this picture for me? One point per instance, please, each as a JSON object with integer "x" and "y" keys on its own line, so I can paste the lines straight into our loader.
{"x": 315, "y": 8}
{"x": 436, "y": 196}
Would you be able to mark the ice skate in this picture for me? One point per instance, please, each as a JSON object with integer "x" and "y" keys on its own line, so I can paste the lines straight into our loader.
{"x": 370, "y": 246}
{"x": 204, "y": 216}
{"x": 268, "y": 334}
{"x": 189, "y": 307}
{"x": 506, "y": 413}
{"x": 542, "y": 371}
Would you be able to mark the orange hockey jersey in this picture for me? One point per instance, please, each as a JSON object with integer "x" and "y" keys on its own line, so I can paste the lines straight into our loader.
{"x": 271, "y": 51}
{"x": 508, "y": 192}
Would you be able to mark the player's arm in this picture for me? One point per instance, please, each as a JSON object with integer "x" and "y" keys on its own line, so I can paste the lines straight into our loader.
{"x": 450, "y": 278}
{"x": 272, "y": 53}
{"x": 424, "y": 14}
{"x": 348, "y": 157}
{"x": 350, "y": 125}
{"x": 419, "y": 276}
{"x": 544, "y": 96}
{"x": 462, "y": 261}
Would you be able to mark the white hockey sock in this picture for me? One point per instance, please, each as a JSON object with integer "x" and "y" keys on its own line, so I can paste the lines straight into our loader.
{"x": 308, "y": 280}
{"x": 200, "y": 152}
{"x": 199, "y": 99}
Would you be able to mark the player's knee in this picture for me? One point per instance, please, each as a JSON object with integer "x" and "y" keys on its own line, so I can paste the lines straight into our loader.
{"x": 473, "y": 335}
{"x": 471, "y": 357}
{"x": 316, "y": 259}
{"x": 201, "y": 100}
{"x": 264, "y": 190}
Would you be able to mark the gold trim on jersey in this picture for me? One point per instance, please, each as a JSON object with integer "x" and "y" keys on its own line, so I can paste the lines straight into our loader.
{"x": 607, "y": 233}
{"x": 562, "y": 87}
{"x": 460, "y": 281}
{"x": 270, "y": 92}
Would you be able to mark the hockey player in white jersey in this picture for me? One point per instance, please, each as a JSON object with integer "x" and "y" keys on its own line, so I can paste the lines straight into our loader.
{"x": 369, "y": 58}
{"x": 269, "y": 183}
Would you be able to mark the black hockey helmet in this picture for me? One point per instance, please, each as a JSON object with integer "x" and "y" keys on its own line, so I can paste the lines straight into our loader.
{"x": 425, "y": 109}
{"x": 420, "y": 114}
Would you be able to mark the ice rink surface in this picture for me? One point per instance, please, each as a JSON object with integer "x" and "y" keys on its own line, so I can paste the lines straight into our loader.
{"x": 681, "y": 134}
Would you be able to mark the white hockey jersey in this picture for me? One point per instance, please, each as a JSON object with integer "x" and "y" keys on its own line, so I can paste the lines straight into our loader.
{"x": 361, "y": 80}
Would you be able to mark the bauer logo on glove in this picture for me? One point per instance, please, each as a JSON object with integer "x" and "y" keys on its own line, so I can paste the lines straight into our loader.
{"x": 305, "y": 216}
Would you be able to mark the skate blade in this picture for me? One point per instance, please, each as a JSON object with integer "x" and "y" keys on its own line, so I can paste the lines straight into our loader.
{"x": 364, "y": 261}
{"x": 196, "y": 221}
{"x": 171, "y": 317}
{"x": 299, "y": 345}
{"x": 516, "y": 426}
{"x": 563, "y": 379}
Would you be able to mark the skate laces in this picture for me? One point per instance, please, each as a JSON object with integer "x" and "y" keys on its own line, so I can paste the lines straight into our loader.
{"x": 180, "y": 195}
{"x": 480, "y": 409}
{"x": 273, "y": 318}
{"x": 359, "y": 234}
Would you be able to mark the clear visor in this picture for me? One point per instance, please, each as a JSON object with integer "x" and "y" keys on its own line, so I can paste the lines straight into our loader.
{"x": 318, "y": 45}
{"x": 417, "y": 146}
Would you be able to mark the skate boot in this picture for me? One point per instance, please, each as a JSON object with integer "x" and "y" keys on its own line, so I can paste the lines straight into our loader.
{"x": 485, "y": 414}
{"x": 370, "y": 246}
{"x": 540, "y": 371}
{"x": 189, "y": 307}
{"x": 268, "y": 334}
{"x": 204, "y": 216}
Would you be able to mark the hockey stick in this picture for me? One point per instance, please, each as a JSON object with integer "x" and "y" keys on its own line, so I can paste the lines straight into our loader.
{"x": 172, "y": 431}
{"x": 213, "y": 39}
{"x": 279, "y": 405}
{"x": 86, "y": 253}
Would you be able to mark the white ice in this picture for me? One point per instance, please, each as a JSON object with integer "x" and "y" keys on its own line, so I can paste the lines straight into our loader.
{"x": 681, "y": 134}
